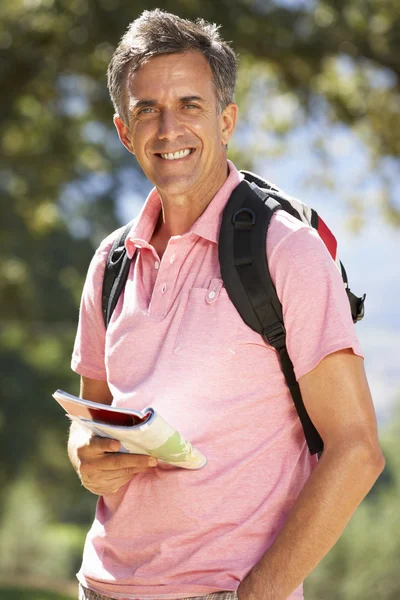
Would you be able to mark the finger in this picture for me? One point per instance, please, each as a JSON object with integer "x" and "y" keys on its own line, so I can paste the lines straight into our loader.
{"x": 102, "y": 444}
{"x": 94, "y": 471}
{"x": 97, "y": 447}
{"x": 102, "y": 491}
{"x": 105, "y": 479}
{"x": 118, "y": 461}
{"x": 109, "y": 480}
{"x": 99, "y": 477}
{"x": 120, "y": 477}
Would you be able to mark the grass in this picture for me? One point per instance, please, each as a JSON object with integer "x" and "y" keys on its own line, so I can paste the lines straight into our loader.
{"x": 29, "y": 593}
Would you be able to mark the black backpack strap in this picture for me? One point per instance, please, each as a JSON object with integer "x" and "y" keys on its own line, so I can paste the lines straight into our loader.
{"x": 246, "y": 276}
{"x": 115, "y": 274}
{"x": 259, "y": 181}
{"x": 356, "y": 303}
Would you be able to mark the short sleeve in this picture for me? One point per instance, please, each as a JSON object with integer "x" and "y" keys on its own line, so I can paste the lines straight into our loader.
{"x": 88, "y": 357}
{"x": 316, "y": 310}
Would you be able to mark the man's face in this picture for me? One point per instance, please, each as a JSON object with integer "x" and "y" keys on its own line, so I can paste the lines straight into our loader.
{"x": 174, "y": 127}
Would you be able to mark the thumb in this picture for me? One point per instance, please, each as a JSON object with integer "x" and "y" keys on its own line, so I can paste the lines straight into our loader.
{"x": 103, "y": 444}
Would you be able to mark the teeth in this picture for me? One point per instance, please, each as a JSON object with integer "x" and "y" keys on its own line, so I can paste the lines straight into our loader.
{"x": 176, "y": 155}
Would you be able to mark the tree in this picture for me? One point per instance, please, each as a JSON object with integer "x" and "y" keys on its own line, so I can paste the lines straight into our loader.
{"x": 363, "y": 564}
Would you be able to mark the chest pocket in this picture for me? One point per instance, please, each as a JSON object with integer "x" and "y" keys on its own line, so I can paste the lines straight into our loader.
{"x": 209, "y": 326}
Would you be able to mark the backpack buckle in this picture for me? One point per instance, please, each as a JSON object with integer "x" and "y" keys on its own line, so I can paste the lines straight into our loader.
{"x": 361, "y": 308}
{"x": 356, "y": 305}
{"x": 275, "y": 335}
{"x": 244, "y": 219}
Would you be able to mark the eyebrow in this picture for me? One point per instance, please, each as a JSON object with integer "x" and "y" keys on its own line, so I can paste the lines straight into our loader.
{"x": 141, "y": 103}
{"x": 183, "y": 100}
{"x": 186, "y": 99}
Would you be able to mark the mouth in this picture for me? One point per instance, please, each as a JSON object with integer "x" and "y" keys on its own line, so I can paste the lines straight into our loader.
{"x": 179, "y": 155}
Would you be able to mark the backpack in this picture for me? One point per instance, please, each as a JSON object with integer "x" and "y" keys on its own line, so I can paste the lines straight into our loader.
{"x": 244, "y": 270}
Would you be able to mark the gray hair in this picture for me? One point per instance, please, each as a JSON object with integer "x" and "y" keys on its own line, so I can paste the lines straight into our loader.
{"x": 157, "y": 32}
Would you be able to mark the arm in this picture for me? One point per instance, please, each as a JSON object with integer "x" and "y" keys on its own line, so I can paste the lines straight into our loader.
{"x": 101, "y": 468}
{"x": 337, "y": 398}
{"x": 96, "y": 391}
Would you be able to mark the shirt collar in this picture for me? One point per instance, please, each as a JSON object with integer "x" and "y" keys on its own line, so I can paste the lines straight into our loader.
{"x": 206, "y": 226}
{"x": 209, "y": 222}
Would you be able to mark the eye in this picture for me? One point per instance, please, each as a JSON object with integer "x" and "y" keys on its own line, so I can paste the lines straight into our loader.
{"x": 146, "y": 111}
{"x": 191, "y": 106}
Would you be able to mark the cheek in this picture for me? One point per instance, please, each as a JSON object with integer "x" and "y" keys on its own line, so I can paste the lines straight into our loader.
{"x": 213, "y": 138}
{"x": 210, "y": 134}
{"x": 141, "y": 135}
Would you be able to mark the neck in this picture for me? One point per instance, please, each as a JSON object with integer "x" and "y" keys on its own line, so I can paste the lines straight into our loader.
{"x": 180, "y": 212}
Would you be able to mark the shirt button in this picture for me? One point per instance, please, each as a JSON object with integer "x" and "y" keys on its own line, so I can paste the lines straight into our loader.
{"x": 156, "y": 264}
{"x": 171, "y": 260}
{"x": 211, "y": 295}
{"x": 164, "y": 287}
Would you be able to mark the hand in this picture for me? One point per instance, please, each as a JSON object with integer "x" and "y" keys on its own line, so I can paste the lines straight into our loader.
{"x": 104, "y": 470}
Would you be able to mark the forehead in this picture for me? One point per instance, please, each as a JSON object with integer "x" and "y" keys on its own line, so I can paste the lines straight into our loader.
{"x": 172, "y": 75}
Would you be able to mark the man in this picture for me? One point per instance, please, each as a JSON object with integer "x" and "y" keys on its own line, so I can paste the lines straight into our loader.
{"x": 257, "y": 519}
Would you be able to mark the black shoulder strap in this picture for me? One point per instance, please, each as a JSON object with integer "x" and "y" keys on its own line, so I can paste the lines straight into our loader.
{"x": 246, "y": 276}
{"x": 356, "y": 304}
{"x": 115, "y": 274}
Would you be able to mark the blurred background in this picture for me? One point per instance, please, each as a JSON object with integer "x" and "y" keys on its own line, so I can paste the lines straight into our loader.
{"x": 319, "y": 98}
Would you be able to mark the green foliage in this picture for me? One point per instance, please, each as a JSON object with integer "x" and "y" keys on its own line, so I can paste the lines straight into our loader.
{"x": 29, "y": 593}
{"x": 364, "y": 562}
{"x": 31, "y": 543}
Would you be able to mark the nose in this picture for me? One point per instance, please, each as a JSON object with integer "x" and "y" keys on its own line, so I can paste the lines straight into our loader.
{"x": 169, "y": 127}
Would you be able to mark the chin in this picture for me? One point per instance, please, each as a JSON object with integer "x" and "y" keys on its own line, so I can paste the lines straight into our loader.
{"x": 174, "y": 185}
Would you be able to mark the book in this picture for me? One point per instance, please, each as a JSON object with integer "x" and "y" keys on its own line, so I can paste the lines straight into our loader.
{"x": 139, "y": 432}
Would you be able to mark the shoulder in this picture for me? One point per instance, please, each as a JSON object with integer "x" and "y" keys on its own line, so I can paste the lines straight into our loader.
{"x": 286, "y": 230}
{"x": 296, "y": 253}
{"x": 98, "y": 262}
{"x": 106, "y": 244}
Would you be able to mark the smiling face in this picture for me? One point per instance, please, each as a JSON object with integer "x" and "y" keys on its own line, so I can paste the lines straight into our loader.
{"x": 174, "y": 129}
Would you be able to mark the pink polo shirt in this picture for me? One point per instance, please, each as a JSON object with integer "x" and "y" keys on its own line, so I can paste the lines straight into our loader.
{"x": 177, "y": 343}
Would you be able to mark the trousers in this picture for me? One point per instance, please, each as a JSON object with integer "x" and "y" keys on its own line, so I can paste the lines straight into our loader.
{"x": 86, "y": 594}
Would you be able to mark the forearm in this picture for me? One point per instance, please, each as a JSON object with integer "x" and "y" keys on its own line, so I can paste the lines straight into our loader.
{"x": 328, "y": 500}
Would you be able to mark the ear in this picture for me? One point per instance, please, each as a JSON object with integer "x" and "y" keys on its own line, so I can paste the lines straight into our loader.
{"x": 227, "y": 122}
{"x": 124, "y": 134}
